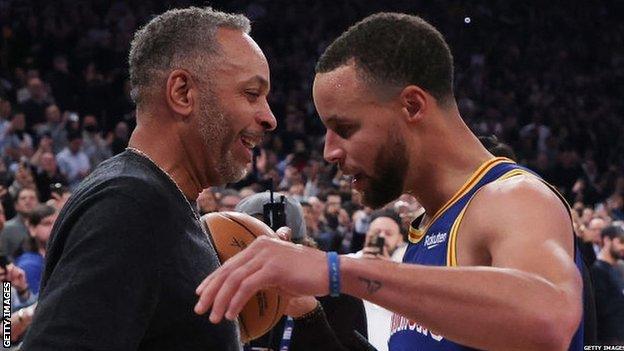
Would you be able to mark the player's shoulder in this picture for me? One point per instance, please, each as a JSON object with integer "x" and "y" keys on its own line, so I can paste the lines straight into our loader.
{"x": 524, "y": 190}
{"x": 522, "y": 200}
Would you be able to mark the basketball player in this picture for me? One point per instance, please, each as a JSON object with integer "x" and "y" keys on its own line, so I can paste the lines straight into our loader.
{"x": 491, "y": 265}
{"x": 128, "y": 249}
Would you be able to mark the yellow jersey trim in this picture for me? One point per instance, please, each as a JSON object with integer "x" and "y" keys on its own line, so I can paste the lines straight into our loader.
{"x": 415, "y": 234}
{"x": 451, "y": 255}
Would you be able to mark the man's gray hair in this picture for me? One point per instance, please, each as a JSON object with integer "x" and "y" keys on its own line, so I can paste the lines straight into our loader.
{"x": 178, "y": 38}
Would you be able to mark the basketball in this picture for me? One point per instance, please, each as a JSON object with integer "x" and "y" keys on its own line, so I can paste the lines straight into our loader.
{"x": 231, "y": 232}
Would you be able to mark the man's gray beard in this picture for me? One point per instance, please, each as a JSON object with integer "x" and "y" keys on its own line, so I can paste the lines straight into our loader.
{"x": 217, "y": 136}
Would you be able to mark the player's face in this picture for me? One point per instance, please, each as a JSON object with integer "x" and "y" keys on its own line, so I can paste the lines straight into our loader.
{"x": 234, "y": 112}
{"x": 363, "y": 135}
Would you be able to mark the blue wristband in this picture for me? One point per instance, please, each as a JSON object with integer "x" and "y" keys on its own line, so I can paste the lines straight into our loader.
{"x": 333, "y": 265}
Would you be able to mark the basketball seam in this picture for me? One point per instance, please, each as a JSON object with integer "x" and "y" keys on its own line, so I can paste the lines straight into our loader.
{"x": 242, "y": 225}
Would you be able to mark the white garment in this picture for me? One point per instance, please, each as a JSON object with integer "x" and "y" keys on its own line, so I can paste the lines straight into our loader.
{"x": 73, "y": 166}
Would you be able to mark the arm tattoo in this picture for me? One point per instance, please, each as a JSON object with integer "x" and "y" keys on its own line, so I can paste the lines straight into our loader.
{"x": 371, "y": 285}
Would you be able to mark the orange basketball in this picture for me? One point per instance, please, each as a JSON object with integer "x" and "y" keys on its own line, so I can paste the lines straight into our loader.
{"x": 231, "y": 232}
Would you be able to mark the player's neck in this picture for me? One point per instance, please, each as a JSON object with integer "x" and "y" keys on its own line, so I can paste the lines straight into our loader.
{"x": 451, "y": 161}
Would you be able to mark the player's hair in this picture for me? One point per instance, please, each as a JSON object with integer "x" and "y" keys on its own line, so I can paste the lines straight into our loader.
{"x": 393, "y": 50}
{"x": 178, "y": 38}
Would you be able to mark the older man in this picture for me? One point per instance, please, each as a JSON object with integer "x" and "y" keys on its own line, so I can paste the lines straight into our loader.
{"x": 128, "y": 249}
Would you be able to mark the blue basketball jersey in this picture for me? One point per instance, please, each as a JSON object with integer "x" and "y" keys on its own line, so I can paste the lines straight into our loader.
{"x": 436, "y": 245}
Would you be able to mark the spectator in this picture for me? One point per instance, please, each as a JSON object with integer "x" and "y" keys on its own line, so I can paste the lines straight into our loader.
{"x": 592, "y": 240}
{"x": 338, "y": 224}
{"x": 119, "y": 139}
{"x": 62, "y": 83}
{"x": 383, "y": 225}
{"x": 311, "y": 222}
{"x": 5, "y": 120}
{"x": 73, "y": 162}
{"x": 15, "y": 230}
{"x": 21, "y": 296}
{"x": 609, "y": 287}
{"x": 48, "y": 177}
{"x": 31, "y": 256}
{"x": 34, "y": 107}
{"x": 23, "y": 178}
{"x": 16, "y": 137}
{"x": 96, "y": 148}
{"x": 615, "y": 204}
{"x": 54, "y": 127}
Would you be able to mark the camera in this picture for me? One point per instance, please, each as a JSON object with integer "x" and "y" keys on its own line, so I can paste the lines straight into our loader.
{"x": 274, "y": 213}
{"x": 377, "y": 242}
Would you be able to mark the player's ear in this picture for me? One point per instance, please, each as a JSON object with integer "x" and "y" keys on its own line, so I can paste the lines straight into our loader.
{"x": 414, "y": 102}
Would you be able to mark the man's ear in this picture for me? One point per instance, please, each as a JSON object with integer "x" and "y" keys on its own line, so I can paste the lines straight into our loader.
{"x": 414, "y": 102}
{"x": 181, "y": 92}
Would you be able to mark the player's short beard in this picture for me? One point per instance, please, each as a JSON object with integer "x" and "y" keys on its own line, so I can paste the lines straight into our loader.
{"x": 389, "y": 172}
{"x": 218, "y": 137}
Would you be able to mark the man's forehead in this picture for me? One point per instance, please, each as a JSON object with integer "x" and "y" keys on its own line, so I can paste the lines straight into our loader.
{"x": 242, "y": 54}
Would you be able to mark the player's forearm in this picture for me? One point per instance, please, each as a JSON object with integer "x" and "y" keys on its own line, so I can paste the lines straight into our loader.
{"x": 483, "y": 307}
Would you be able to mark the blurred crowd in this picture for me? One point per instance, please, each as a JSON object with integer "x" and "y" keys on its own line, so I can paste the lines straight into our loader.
{"x": 541, "y": 77}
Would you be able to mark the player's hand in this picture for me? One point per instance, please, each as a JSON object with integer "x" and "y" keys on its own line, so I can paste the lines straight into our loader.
{"x": 267, "y": 263}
